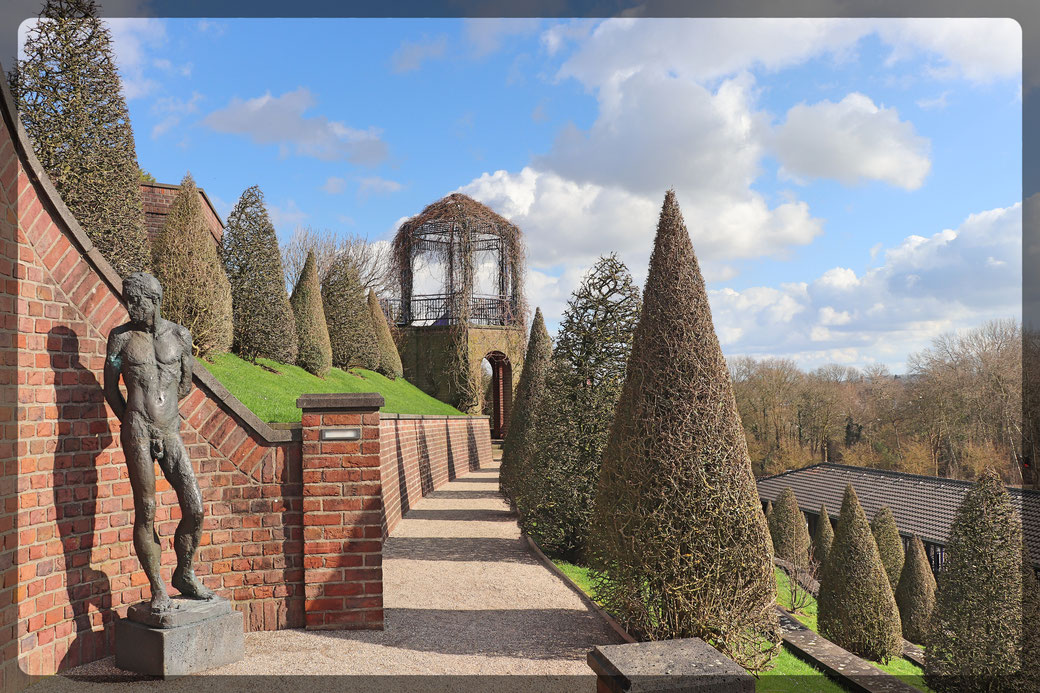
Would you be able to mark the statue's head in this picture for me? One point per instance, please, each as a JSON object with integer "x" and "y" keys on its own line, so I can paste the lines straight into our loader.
{"x": 143, "y": 295}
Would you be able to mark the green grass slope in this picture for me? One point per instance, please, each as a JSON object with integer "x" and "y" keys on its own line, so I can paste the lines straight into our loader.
{"x": 270, "y": 389}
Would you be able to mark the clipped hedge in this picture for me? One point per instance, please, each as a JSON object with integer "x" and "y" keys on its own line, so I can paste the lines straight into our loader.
{"x": 314, "y": 353}
{"x": 789, "y": 531}
{"x": 856, "y": 607}
{"x": 915, "y": 594}
{"x": 889, "y": 543}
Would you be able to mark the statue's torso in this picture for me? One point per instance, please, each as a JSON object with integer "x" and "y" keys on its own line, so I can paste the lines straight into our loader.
{"x": 151, "y": 368}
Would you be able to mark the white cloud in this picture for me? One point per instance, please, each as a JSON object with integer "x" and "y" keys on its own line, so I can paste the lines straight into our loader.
{"x": 851, "y": 141}
{"x": 927, "y": 285}
{"x": 410, "y": 55}
{"x": 287, "y": 215}
{"x": 487, "y": 35}
{"x": 334, "y": 185}
{"x": 374, "y": 185}
{"x": 978, "y": 49}
{"x": 132, "y": 38}
{"x": 280, "y": 120}
{"x": 173, "y": 111}
{"x": 938, "y": 103}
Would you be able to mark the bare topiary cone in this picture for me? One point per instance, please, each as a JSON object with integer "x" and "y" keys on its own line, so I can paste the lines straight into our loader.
{"x": 70, "y": 101}
{"x": 577, "y": 409}
{"x": 679, "y": 544}
{"x": 856, "y": 608}
{"x": 788, "y": 529}
{"x": 889, "y": 543}
{"x": 822, "y": 538}
{"x": 346, "y": 313}
{"x": 976, "y": 631}
{"x": 915, "y": 594}
{"x": 517, "y": 447}
{"x": 389, "y": 357}
{"x": 196, "y": 291}
{"x": 315, "y": 350}
{"x": 263, "y": 319}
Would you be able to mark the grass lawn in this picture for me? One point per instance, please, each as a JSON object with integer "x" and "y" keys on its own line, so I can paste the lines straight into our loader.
{"x": 272, "y": 395}
{"x": 788, "y": 675}
{"x": 900, "y": 666}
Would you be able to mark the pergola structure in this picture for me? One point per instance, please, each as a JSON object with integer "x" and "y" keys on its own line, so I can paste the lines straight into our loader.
{"x": 448, "y": 330}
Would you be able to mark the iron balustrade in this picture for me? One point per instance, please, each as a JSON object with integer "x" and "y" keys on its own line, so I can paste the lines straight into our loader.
{"x": 441, "y": 309}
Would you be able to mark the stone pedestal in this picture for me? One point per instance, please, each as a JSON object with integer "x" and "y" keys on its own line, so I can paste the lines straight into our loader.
{"x": 192, "y": 636}
{"x": 687, "y": 665}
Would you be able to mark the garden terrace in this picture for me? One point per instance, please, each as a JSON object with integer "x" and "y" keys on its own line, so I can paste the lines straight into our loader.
{"x": 922, "y": 505}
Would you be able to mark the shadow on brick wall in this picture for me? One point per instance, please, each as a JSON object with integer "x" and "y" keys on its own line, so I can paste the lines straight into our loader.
{"x": 82, "y": 434}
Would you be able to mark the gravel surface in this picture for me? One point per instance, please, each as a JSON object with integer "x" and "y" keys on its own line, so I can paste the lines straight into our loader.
{"x": 468, "y": 607}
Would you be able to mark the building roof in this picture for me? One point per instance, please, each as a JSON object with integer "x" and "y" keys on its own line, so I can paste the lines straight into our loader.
{"x": 922, "y": 505}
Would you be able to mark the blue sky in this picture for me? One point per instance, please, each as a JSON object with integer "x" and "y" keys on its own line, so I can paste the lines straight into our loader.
{"x": 852, "y": 187}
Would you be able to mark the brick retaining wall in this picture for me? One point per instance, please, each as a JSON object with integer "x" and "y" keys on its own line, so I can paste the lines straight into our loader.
{"x": 67, "y": 566}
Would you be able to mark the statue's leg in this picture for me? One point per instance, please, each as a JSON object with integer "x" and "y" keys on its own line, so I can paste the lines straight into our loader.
{"x": 177, "y": 467}
{"x": 140, "y": 467}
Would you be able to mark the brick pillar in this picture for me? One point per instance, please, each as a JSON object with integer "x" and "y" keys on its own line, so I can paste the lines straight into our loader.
{"x": 342, "y": 512}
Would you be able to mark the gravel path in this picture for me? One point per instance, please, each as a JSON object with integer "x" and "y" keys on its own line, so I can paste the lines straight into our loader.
{"x": 468, "y": 607}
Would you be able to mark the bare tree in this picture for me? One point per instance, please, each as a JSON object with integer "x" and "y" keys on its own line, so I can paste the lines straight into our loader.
{"x": 372, "y": 259}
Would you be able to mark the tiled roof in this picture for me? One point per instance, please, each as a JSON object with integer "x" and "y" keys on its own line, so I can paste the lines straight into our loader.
{"x": 922, "y": 505}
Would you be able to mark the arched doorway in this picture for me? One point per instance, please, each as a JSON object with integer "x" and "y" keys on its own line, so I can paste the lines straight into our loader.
{"x": 500, "y": 392}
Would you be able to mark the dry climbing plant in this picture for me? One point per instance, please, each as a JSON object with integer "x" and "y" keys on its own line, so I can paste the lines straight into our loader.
{"x": 448, "y": 232}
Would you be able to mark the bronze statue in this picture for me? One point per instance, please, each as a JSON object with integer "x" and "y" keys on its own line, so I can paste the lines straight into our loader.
{"x": 154, "y": 358}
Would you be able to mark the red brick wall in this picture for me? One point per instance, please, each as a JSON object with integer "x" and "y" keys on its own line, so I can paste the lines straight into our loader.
{"x": 422, "y": 453}
{"x": 157, "y": 198}
{"x": 67, "y": 566}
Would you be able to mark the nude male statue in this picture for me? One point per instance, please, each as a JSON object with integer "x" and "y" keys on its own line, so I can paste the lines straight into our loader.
{"x": 154, "y": 358}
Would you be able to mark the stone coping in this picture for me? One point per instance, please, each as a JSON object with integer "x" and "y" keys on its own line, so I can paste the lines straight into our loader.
{"x": 680, "y": 665}
{"x": 340, "y": 401}
{"x": 297, "y": 426}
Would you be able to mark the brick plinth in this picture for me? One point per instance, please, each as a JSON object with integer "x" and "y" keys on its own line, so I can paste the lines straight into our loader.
{"x": 342, "y": 512}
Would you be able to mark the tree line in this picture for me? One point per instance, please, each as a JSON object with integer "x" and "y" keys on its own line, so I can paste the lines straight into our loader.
{"x": 956, "y": 412}
{"x": 232, "y": 296}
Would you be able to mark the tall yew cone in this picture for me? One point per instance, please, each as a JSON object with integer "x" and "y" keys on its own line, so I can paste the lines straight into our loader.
{"x": 679, "y": 545}
{"x": 856, "y": 608}
{"x": 315, "y": 350}
{"x": 975, "y": 641}
{"x": 789, "y": 531}
{"x": 71, "y": 102}
{"x": 822, "y": 538}
{"x": 915, "y": 594}
{"x": 889, "y": 543}
{"x": 263, "y": 318}
{"x": 517, "y": 447}
{"x": 196, "y": 290}
{"x": 389, "y": 358}
{"x": 353, "y": 337}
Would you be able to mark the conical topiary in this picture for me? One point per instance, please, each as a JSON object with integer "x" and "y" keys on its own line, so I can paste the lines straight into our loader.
{"x": 263, "y": 319}
{"x": 71, "y": 102}
{"x": 856, "y": 608}
{"x": 196, "y": 291}
{"x": 557, "y": 492}
{"x": 822, "y": 538}
{"x": 889, "y": 543}
{"x": 314, "y": 353}
{"x": 769, "y": 509}
{"x": 517, "y": 447}
{"x": 389, "y": 357}
{"x": 975, "y": 639}
{"x": 346, "y": 313}
{"x": 679, "y": 545}
{"x": 915, "y": 594}
{"x": 788, "y": 529}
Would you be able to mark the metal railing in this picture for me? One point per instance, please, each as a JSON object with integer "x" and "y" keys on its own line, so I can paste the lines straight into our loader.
{"x": 441, "y": 309}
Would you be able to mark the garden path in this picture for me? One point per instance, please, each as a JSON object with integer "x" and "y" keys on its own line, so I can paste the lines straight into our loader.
{"x": 468, "y": 607}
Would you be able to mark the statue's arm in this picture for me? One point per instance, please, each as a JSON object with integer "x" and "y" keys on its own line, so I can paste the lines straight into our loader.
{"x": 113, "y": 367}
{"x": 187, "y": 363}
